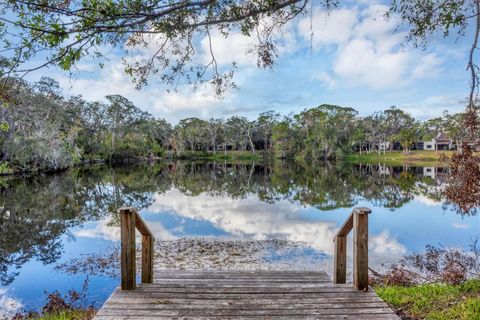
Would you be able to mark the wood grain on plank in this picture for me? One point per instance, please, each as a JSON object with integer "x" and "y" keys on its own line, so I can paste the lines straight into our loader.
{"x": 243, "y": 295}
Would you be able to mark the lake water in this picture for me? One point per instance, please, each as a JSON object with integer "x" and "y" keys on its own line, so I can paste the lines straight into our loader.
{"x": 47, "y": 221}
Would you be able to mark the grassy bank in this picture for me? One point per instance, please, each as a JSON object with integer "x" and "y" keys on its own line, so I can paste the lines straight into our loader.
{"x": 62, "y": 314}
{"x": 220, "y": 155}
{"x": 416, "y": 157}
{"x": 69, "y": 315}
{"x": 434, "y": 301}
{"x": 59, "y": 307}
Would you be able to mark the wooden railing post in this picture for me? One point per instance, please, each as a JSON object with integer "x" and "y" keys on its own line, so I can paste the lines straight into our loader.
{"x": 147, "y": 259}
{"x": 130, "y": 220}
{"x": 128, "y": 255}
{"x": 340, "y": 260}
{"x": 358, "y": 221}
{"x": 360, "y": 248}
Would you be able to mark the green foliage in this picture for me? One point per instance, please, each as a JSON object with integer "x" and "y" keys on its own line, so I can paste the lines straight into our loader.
{"x": 52, "y": 133}
{"x": 5, "y": 168}
{"x": 435, "y": 301}
{"x": 283, "y": 140}
{"x": 229, "y": 155}
{"x": 465, "y": 310}
{"x": 427, "y": 17}
{"x": 323, "y": 132}
{"x": 407, "y": 137}
{"x": 45, "y": 150}
{"x": 156, "y": 149}
{"x": 42, "y": 130}
{"x": 55, "y": 31}
{"x": 4, "y": 126}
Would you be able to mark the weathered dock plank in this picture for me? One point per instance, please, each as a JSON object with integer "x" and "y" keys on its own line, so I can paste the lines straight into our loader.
{"x": 243, "y": 295}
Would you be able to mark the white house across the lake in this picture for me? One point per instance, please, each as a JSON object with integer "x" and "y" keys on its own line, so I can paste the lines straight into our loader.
{"x": 440, "y": 142}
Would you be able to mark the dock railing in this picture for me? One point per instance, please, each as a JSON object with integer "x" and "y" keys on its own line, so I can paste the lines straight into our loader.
{"x": 131, "y": 221}
{"x": 358, "y": 221}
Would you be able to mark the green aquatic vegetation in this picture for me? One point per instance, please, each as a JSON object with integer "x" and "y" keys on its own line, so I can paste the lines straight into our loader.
{"x": 434, "y": 301}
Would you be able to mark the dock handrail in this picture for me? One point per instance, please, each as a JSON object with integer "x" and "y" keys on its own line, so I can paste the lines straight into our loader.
{"x": 358, "y": 221}
{"x": 131, "y": 221}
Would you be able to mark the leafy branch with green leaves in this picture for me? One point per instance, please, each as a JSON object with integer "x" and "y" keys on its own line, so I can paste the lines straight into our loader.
{"x": 65, "y": 32}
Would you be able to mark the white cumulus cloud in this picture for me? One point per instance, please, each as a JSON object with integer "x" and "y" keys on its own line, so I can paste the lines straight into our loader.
{"x": 328, "y": 28}
{"x": 360, "y": 62}
{"x": 368, "y": 48}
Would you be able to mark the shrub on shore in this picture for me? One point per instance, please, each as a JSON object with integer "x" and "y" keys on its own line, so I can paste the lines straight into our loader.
{"x": 70, "y": 306}
{"x": 438, "y": 284}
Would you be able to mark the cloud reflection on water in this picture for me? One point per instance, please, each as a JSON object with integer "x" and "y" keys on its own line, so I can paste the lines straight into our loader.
{"x": 8, "y": 305}
{"x": 104, "y": 230}
{"x": 249, "y": 218}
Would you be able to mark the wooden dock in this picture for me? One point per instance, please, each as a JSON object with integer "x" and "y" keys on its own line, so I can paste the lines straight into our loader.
{"x": 244, "y": 295}
{"x": 240, "y": 294}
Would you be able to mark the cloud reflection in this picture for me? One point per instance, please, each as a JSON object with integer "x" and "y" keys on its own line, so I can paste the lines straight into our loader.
{"x": 428, "y": 201}
{"x": 8, "y": 305}
{"x": 103, "y": 230}
{"x": 250, "y": 218}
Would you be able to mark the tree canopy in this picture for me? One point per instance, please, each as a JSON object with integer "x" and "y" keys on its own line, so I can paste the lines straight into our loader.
{"x": 42, "y": 130}
{"x": 62, "y": 33}
{"x": 67, "y": 31}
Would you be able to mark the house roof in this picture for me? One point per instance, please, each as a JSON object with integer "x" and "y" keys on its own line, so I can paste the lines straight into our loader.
{"x": 442, "y": 136}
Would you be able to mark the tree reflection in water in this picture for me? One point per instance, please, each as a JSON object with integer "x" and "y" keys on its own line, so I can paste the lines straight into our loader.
{"x": 36, "y": 211}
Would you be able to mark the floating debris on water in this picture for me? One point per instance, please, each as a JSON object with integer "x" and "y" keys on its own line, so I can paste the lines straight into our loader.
{"x": 208, "y": 254}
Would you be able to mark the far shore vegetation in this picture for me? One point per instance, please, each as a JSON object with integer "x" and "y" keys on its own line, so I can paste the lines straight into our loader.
{"x": 41, "y": 130}
{"x": 390, "y": 158}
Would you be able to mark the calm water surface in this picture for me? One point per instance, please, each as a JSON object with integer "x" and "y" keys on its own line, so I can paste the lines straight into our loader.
{"x": 48, "y": 220}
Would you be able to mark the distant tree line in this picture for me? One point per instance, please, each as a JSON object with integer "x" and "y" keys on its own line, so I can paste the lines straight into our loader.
{"x": 42, "y": 130}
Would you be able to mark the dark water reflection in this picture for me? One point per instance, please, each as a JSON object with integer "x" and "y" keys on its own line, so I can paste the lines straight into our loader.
{"x": 45, "y": 220}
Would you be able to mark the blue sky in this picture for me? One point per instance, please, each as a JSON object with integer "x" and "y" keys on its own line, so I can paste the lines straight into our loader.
{"x": 355, "y": 58}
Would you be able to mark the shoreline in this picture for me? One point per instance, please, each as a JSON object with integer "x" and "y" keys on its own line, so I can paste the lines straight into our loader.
{"x": 8, "y": 171}
{"x": 395, "y": 158}
{"x": 415, "y": 157}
